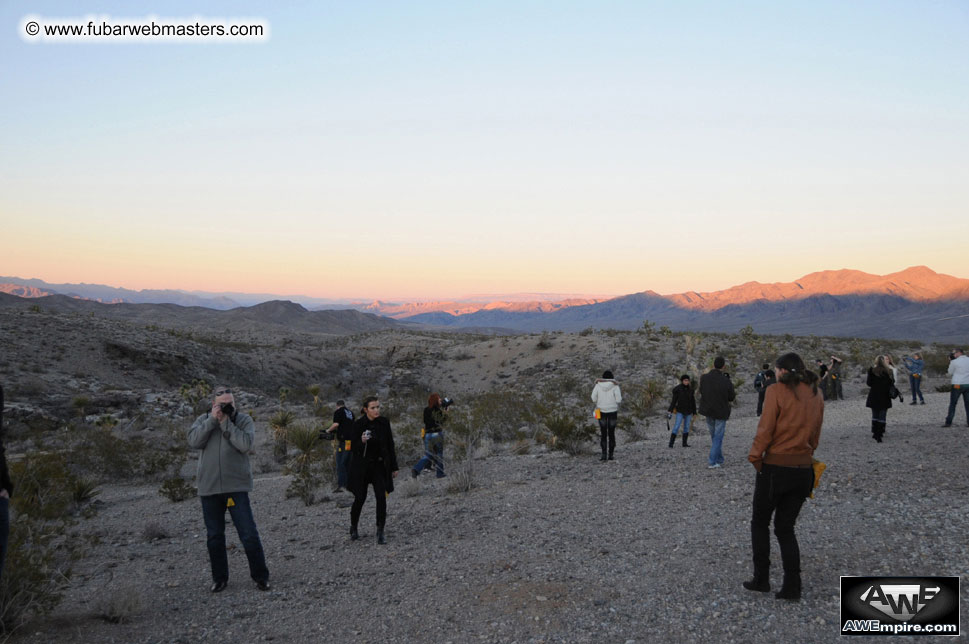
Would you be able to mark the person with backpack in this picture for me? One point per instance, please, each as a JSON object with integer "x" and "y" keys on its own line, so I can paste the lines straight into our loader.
{"x": 762, "y": 381}
{"x": 683, "y": 405}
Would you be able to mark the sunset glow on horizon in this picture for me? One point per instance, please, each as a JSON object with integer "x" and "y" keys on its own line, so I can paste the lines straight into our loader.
{"x": 434, "y": 150}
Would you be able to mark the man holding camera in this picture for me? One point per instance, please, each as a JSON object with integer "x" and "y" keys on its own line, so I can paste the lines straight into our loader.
{"x": 225, "y": 435}
{"x": 959, "y": 370}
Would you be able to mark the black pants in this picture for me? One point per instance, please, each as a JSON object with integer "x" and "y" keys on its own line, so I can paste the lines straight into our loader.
{"x": 760, "y": 399}
{"x": 607, "y": 430}
{"x": 778, "y": 491}
{"x": 375, "y": 474}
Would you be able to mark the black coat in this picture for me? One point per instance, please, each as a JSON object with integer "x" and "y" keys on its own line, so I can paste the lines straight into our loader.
{"x": 716, "y": 394}
{"x": 683, "y": 401}
{"x": 379, "y": 451}
{"x": 880, "y": 394}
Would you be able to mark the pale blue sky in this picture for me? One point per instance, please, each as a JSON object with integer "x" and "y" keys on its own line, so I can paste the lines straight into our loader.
{"x": 436, "y": 149}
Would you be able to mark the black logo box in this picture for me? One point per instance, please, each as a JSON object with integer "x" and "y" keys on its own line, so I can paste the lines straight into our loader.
{"x": 862, "y": 596}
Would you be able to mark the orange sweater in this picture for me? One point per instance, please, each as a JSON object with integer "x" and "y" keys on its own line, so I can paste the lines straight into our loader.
{"x": 789, "y": 426}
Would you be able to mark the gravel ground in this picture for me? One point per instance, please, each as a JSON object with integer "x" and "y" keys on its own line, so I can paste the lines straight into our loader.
{"x": 649, "y": 548}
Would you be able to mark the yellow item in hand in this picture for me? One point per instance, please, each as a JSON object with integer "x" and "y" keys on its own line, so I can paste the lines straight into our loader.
{"x": 346, "y": 446}
{"x": 597, "y": 414}
{"x": 819, "y": 468}
{"x": 230, "y": 503}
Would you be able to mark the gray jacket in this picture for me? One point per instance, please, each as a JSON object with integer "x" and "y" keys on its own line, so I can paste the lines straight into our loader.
{"x": 224, "y": 459}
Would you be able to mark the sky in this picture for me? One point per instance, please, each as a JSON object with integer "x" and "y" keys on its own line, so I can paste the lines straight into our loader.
{"x": 430, "y": 150}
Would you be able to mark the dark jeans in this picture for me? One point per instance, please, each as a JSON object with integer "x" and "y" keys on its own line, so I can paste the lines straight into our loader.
{"x": 778, "y": 491}
{"x": 760, "y": 400}
{"x": 4, "y": 530}
{"x": 607, "y": 430}
{"x": 213, "y": 511}
{"x": 954, "y": 400}
{"x": 375, "y": 474}
{"x": 879, "y": 419}
{"x": 343, "y": 468}
{"x": 433, "y": 454}
{"x": 916, "y": 385}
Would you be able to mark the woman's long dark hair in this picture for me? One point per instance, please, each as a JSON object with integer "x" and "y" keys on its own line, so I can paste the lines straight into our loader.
{"x": 796, "y": 372}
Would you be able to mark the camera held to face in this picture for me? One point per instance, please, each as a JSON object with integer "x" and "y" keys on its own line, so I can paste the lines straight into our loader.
{"x": 227, "y": 409}
{"x": 446, "y": 402}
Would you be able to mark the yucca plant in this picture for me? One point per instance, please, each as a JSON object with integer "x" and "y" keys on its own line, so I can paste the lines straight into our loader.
{"x": 280, "y": 423}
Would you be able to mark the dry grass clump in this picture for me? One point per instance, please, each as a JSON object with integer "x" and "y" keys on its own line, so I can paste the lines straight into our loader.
{"x": 119, "y": 605}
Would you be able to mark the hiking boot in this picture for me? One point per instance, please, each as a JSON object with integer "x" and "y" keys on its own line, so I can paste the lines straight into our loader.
{"x": 685, "y": 444}
{"x": 380, "y": 537}
{"x": 672, "y": 439}
{"x": 759, "y": 584}
{"x": 790, "y": 589}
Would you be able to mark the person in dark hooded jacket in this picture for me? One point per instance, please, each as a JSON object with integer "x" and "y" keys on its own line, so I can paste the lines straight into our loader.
{"x": 683, "y": 405}
{"x": 879, "y": 399}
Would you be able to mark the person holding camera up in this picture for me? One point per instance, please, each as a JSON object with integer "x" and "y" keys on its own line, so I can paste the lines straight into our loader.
{"x": 225, "y": 435}
{"x": 433, "y": 434}
{"x": 716, "y": 394}
{"x": 607, "y": 396}
{"x": 879, "y": 400}
{"x": 915, "y": 365}
{"x": 374, "y": 462}
{"x": 683, "y": 405}
{"x": 959, "y": 371}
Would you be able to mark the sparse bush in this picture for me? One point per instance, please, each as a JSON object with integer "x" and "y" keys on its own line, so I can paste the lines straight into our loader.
{"x": 545, "y": 342}
{"x": 177, "y": 489}
{"x": 195, "y": 394}
{"x": 80, "y": 405}
{"x": 83, "y": 491}
{"x": 154, "y": 531}
{"x": 120, "y": 605}
{"x": 943, "y": 389}
{"x": 568, "y": 435}
{"x": 279, "y": 423}
{"x": 305, "y": 466}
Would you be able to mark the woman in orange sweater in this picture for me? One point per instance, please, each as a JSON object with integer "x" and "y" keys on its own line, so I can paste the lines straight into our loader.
{"x": 782, "y": 454}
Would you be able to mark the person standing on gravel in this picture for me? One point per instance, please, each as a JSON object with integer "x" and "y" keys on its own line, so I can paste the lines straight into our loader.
{"x": 374, "y": 462}
{"x": 879, "y": 399}
{"x": 716, "y": 394}
{"x": 762, "y": 381}
{"x": 783, "y": 454}
{"x": 433, "y": 436}
{"x": 225, "y": 435}
{"x": 915, "y": 365}
{"x": 343, "y": 426}
{"x": 683, "y": 405}
{"x": 959, "y": 370}
{"x": 607, "y": 396}
{"x": 835, "y": 391}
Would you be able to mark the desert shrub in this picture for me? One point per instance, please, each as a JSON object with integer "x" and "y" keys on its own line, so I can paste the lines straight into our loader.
{"x": 40, "y": 552}
{"x": 177, "y": 489}
{"x": 640, "y": 399}
{"x": 83, "y": 491}
{"x": 568, "y": 435}
{"x": 154, "y": 531}
{"x": 195, "y": 394}
{"x": 119, "y": 605}
{"x": 305, "y": 466}
{"x": 586, "y": 331}
{"x": 936, "y": 362}
{"x": 464, "y": 355}
{"x": 80, "y": 404}
{"x": 544, "y": 342}
{"x": 100, "y": 451}
{"x": 279, "y": 423}
{"x": 943, "y": 389}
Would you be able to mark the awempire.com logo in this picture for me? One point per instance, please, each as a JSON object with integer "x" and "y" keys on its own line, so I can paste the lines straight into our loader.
{"x": 900, "y": 606}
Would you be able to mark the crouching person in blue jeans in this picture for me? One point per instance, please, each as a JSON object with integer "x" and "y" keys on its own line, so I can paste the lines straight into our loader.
{"x": 224, "y": 435}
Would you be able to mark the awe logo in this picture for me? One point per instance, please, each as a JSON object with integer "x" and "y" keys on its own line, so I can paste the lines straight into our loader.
{"x": 900, "y": 601}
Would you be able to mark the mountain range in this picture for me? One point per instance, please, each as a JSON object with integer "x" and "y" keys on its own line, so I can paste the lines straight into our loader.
{"x": 916, "y": 303}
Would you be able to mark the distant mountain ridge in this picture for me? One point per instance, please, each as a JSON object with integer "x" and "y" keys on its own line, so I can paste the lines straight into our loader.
{"x": 915, "y": 303}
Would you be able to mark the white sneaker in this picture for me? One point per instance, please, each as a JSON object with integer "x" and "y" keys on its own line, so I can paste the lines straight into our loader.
{"x": 715, "y": 466}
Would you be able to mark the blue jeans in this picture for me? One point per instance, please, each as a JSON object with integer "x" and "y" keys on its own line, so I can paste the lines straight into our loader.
{"x": 717, "y": 428}
{"x": 213, "y": 511}
{"x": 342, "y": 468}
{"x": 916, "y": 384}
{"x": 963, "y": 391}
{"x": 433, "y": 454}
{"x": 685, "y": 420}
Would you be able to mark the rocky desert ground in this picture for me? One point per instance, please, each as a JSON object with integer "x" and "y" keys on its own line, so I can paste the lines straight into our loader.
{"x": 545, "y": 546}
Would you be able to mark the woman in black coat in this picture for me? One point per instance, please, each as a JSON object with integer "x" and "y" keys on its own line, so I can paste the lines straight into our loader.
{"x": 373, "y": 462}
{"x": 879, "y": 400}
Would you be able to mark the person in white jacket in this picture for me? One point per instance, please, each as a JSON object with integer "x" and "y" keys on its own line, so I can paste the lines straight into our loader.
{"x": 959, "y": 370}
{"x": 607, "y": 396}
